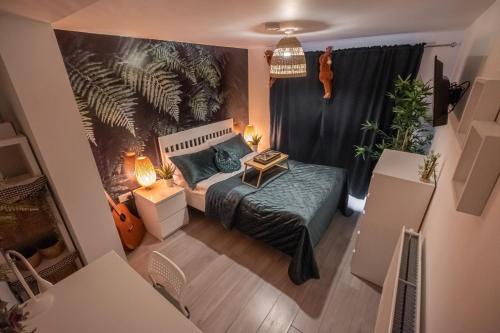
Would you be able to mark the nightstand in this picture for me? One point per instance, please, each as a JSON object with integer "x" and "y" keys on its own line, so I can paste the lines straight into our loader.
{"x": 162, "y": 208}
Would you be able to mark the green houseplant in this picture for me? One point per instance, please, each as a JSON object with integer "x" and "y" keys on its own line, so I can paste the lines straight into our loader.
{"x": 408, "y": 132}
{"x": 166, "y": 172}
{"x": 255, "y": 141}
{"x": 428, "y": 169}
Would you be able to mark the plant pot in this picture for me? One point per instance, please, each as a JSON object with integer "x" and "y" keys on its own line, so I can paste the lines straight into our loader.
{"x": 169, "y": 182}
{"x": 51, "y": 247}
{"x": 255, "y": 148}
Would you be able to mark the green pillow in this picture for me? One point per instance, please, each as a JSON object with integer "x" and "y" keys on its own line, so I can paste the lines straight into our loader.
{"x": 227, "y": 161}
{"x": 197, "y": 166}
{"x": 236, "y": 145}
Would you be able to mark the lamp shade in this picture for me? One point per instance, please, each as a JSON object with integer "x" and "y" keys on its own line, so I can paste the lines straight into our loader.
{"x": 249, "y": 133}
{"x": 129, "y": 165}
{"x": 288, "y": 59}
{"x": 144, "y": 171}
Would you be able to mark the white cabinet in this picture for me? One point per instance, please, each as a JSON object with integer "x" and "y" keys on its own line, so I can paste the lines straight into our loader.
{"x": 396, "y": 198}
{"x": 163, "y": 209}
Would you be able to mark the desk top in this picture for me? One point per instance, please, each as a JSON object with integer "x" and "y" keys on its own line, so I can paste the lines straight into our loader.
{"x": 109, "y": 296}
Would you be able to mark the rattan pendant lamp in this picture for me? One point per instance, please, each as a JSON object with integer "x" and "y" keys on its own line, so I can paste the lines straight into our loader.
{"x": 288, "y": 59}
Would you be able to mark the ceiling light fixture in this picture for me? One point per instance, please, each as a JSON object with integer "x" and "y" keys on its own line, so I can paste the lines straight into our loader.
{"x": 288, "y": 59}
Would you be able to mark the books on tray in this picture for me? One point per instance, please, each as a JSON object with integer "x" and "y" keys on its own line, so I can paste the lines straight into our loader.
{"x": 267, "y": 156}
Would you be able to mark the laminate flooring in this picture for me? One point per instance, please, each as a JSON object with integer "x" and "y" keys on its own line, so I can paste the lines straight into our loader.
{"x": 238, "y": 284}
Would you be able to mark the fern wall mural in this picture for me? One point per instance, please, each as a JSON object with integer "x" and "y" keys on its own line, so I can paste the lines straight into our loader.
{"x": 129, "y": 91}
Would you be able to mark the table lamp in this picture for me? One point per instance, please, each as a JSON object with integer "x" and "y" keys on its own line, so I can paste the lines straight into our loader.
{"x": 145, "y": 172}
{"x": 249, "y": 133}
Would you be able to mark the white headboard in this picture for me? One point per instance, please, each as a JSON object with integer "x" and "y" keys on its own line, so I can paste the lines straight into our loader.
{"x": 193, "y": 137}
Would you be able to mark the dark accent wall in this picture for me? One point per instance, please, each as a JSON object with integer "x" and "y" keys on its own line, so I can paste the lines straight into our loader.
{"x": 129, "y": 91}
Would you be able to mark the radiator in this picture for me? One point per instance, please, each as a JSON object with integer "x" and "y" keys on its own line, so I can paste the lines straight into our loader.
{"x": 399, "y": 308}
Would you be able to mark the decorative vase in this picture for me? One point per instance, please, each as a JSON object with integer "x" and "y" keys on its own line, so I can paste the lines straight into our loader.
{"x": 255, "y": 148}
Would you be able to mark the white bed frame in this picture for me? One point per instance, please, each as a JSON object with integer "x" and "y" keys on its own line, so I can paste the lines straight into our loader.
{"x": 177, "y": 142}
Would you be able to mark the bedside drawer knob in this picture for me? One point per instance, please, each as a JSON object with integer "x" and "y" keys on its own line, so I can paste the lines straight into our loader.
{"x": 359, "y": 232}
{"x": 354, "y": 251}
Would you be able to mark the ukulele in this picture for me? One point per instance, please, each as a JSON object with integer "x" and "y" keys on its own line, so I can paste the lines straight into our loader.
{"x": 130, "y": 228}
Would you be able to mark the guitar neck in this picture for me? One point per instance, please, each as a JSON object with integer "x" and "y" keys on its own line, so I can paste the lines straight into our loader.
{"x": 112, "y": 203}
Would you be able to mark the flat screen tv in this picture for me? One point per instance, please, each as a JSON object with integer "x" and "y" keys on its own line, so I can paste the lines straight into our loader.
{"x": 441, "y": 95}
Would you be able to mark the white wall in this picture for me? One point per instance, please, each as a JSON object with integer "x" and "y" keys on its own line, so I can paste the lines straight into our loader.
{"x": 39, "y": 93}
{"x": 462, "y": 252}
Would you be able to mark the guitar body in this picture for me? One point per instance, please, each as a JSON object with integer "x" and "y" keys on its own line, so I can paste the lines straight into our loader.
{"x": 130, "y": 228}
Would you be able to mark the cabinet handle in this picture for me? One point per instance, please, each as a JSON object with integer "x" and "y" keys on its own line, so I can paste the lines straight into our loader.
{"x": 354, "y": 251}
{"x": 364, "y": 212}
{"x": 359, "y": 232}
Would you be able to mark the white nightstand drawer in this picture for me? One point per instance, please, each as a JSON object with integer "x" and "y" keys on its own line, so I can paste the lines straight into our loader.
{"x": 174, "y": 222}
{"x": 168, "y": 226}
{"x": 167, "y": 208}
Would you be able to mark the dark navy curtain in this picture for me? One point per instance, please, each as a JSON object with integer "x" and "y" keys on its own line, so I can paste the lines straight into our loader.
{"x": 313, "y": 130}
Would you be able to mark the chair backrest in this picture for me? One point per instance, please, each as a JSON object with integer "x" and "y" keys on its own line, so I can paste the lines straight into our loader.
{"x": 165, "y": 272}
{"x": 43, "y": 285}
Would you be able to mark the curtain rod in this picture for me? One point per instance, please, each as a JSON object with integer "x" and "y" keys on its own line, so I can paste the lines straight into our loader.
{"x": 442, "y": 45}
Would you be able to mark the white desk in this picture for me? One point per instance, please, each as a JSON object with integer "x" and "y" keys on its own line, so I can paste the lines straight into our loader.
{"x": 109, "y": 296}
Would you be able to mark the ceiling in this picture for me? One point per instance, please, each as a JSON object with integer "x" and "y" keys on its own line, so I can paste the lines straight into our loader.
{"x": 239, "y": 23}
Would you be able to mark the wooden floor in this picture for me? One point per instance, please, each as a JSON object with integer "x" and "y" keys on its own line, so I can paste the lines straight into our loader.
{"x": 237, "y": 284}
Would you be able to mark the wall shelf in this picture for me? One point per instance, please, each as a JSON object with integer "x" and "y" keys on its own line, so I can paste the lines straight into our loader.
{"x": 483, "y": 104}
{"x": 20, "y": 168}
{"x": 478, "y": 167}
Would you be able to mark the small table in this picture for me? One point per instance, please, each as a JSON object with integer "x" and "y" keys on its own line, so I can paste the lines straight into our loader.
{"x": 280, "y": 162}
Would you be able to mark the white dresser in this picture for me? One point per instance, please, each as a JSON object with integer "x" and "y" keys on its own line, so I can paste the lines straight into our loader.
{"x": 163, "y": 209}
{"x": 396, "y": 198}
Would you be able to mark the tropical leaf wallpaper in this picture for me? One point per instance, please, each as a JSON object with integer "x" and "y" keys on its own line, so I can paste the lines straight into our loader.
{"x": 129, "y": 91}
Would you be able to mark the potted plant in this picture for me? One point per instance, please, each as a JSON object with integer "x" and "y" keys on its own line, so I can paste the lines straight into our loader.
{"x": 428, "y": 169}
{"x": 166, "y": 173}
{"x": 408, "y": 128}
{"x": 255, "y": 142}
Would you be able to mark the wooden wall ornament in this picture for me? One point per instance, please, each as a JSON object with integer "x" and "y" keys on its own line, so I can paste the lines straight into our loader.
{"x": 326, "y": 72}
{"x": 269, "y": 55}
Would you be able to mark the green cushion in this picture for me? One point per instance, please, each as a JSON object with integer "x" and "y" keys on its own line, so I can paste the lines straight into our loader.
{"x": 197, "y": 166}
{"x": 236, "y": 145}
{"x": 227, "y": 161}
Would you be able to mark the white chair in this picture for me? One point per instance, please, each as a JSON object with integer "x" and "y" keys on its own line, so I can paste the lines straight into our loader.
{"x": 168, "y": 279}
{"x": 36, "y": 304}
{"x": 43, "y": 285}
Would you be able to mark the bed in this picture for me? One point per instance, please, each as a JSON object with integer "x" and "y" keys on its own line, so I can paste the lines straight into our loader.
{"x": 290, "y": 211}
